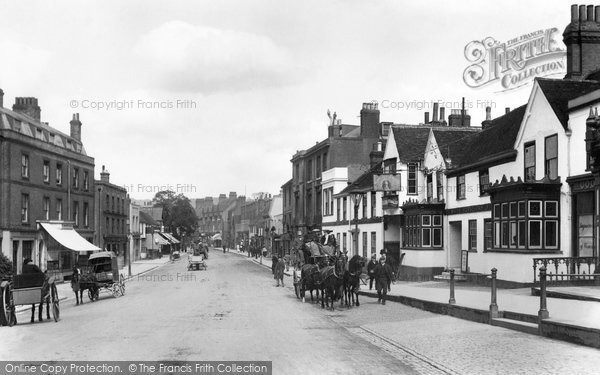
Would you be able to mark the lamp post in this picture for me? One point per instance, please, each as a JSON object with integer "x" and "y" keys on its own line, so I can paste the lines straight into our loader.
{"x": 357, "y": 198}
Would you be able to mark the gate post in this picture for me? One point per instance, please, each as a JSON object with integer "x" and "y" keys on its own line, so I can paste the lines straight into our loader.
{"x": 494, "y": 303}
{"x": 452, "y": 301}
{"x": 543, "y": 313}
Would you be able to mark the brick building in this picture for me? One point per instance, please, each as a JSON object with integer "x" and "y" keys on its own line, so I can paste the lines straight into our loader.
{"x": 112, "y": 214}
{"x": 345, "y": 145}
{"x": 46, "y": 175}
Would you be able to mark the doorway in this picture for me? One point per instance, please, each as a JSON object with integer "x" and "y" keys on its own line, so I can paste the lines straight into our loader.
{"x": 454, "y": 244}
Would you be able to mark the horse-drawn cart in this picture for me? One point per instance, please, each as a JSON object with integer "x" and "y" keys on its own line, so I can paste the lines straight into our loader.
{"x": 103, "y": 271}
{"x": 197, "y": 259}
{"x": 28, "y": 289}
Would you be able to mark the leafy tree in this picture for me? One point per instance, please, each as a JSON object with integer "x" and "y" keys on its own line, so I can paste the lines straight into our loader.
{"x": 179, "y": 217}
{"x": 6, "y": 268}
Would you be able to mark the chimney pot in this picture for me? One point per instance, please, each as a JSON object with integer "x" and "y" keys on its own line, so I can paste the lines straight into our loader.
{"x": 506, "y": 110}
{"x": 582, "y": 13}
{"x": 426, "y": 117}
{"x": 574, "y": 13}
{"x": 590, "y": 13}
{"x": 597, "y": 14}
{"x": 488, "y": 113}
{"x": 435, "y": 112}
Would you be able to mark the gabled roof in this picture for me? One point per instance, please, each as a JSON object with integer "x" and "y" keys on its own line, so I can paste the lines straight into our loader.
{"x": 362, "y": 184}
{"x": 147, "y": 219}
{"x": 498, "y": 138}
{"x": 558, "y": 92}
{"x": 411, "y": 140}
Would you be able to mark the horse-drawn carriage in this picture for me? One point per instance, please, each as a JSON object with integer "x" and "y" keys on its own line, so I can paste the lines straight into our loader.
{"x": 101, "y": 274}
{"x": 197, "y": 259}
{"x": 28, "y": 289}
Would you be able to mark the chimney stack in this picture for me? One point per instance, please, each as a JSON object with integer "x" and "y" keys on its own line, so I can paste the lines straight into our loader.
{"x": 76, "y": 127}
{"x": 506, "y": 110}
{"x": 1, "y": 98}
{"x": 28, "y": 106}
{"x": 488, "y": 118}
{"x": 426, "y": 118}
{"x": 369, "y": 120}
{"x": 443, "y": 116}
{"x": 104, "y": 175}
{"x": 582, "y": 38}
{"x": 435, "y": 112}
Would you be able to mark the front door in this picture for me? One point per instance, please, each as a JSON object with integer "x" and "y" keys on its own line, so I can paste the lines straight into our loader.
{"x": 454, "y": 244}
{"x": 585, "y": 224}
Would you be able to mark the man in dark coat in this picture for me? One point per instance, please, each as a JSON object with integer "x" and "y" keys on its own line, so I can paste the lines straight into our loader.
{"x": 279, "y": 271}
{"x": 273, "y": 264}
{"x": 371, "y": 270}
{"x": 383, "y": 276}
{"x": 29, "y": 267}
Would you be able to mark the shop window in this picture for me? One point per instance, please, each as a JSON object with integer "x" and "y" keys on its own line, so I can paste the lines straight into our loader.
{"x": 423, "y": 231}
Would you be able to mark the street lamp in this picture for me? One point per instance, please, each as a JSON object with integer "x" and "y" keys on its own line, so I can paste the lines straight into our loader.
{"x": 357, "y": 198}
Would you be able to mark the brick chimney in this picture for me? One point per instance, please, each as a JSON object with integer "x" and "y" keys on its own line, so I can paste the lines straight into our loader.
{"x": 369, "y": 121}
{"x": 459, "y": 117}
{"x": 488, "y": 118}
{"x": 76, "y": 127}
{"x": 28, "y": 106}
{"x": 582, "y": 38}
{"x": 104, "y": 175}
{"x": 232, "y": 194}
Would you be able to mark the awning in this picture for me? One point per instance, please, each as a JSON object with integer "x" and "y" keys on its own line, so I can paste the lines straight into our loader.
{"x": 216, "y": 237}
{"x": 68, "y": 237}
{"x": 160, "y": 240}
{"x": 171, "y": 238}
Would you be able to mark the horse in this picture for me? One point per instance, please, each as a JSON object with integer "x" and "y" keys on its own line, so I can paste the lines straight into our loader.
{"x": 352, "y": 280}
{"x": 310, "y": 279}
{"x": 332, "y": 278}
{"x": 80, "y": 282}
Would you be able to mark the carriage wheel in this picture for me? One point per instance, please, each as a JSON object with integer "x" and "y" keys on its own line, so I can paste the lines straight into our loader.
{"x": 122, "y": 285}
{"x": 55, "y": 303}
{"x": 115, "y": 290}
{"x": 8, "y": 310}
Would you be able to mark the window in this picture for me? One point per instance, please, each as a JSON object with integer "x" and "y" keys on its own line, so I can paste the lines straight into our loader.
{"x": 373, "y": 242}
{"x": 473, "y": 235}
{"x": 422, "y": 230}
{"x": 46, "y": 171}
{"x": 309, "y": 171}
{"x": 487, "y": 234}
{"x": 529, "y": 162}
{"x": 439, "y": 180}
{"x": 46, "y": 208}
{"x": 551, "y": 156}
{"x": 344, "y": 245}
{"x": 373, "y": 203}
{"x": 25, "y": 165}
{"x": 113, "y": 203}
{"x": 429, "y": 187}
{"x": 324, "y": 161}
{"x": 86, "y": 214}
{"x": 364, "y": 244}
{"x": 344, "y": 207}
{"x": 389, "y": 166}
{"x": 412, "y": 178}
{"x": 527, "y": 224}
{"x": 337, "y": 239}
{"x": 484, "y": 181}
{"x": 107, "y": 224}
{"x": 337, "y": 208}
{"x": 24, "y": 208}
{"x": 76, "y": 213}
{"x": 58, "y": 173}
{"x": 76, "y": 178}
{"x": 86, "y": 180}
{"x": 59, "y": 209}
{"x": 326, "y": 202}
{"x": 318, "y": 167}
{"x": 460, "y": 187}
{"x": 364, "y": 206}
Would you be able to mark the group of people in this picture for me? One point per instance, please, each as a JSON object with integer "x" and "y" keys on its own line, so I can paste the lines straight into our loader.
{"x": 380, "y": 272}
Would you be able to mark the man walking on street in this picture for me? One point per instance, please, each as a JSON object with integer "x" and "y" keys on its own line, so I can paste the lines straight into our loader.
{"x": 383, "y": 276}
{"x": 371, "y": 270}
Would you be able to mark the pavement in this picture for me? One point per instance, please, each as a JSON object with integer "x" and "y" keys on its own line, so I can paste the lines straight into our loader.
{"x": 579, "y": 313}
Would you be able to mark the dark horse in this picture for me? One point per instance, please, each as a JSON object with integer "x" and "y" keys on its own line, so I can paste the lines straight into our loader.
{"x": 310, "y": 279}
{"x": 80, "y": 282}
{"x": 352, "y": 280}
{"x": 332, "y": 280}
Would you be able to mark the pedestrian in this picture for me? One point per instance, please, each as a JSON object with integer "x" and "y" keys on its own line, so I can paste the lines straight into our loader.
{"x": 274, "y": 260}
{"x": 383, "y": 276}
{"x": 278, "y": 272}
{"x": 371, "y": 270}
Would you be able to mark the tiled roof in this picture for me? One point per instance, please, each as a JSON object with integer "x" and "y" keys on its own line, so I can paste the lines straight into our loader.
{"x": 499, "y": 137}
{"x": 558, "y": 92}
{"x": 450, "y": 140}
{"x": 363, "y": 183}
{"x": 147, "y": 219}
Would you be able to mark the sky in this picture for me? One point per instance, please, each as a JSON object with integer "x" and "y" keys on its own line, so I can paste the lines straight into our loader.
{"x": 209, "y": 97}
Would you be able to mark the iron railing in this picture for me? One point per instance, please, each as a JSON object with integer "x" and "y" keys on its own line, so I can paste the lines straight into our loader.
{"x": 566, "y": 268}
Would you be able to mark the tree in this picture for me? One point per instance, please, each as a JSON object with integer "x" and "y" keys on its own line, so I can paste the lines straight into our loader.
{"x": 179, "y": 217}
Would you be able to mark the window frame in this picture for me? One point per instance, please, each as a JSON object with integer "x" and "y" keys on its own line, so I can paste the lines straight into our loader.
{"x": 415, "y": 179}
{"x": 461, "y": 187}
{"x": 548, "y": 160}
{"x": 532, "y": 176}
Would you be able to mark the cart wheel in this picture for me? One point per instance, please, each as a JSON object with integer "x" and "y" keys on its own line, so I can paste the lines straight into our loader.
{"x": 122, "y": 285}
{"x": 115, "y": 290}
{"x": 55, "y": 303}
{"x": 8, "y": 310}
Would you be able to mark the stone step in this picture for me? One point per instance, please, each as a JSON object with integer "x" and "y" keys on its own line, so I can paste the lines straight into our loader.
{"x": 516, "y": 325}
